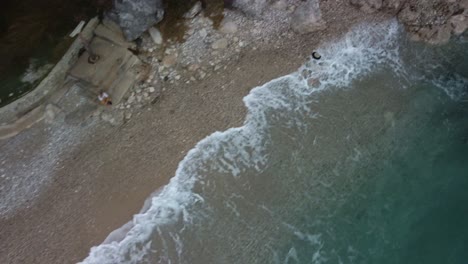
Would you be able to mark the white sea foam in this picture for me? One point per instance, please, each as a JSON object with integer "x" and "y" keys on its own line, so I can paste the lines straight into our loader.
{"x": 35, "y": 72}
{"x": 238, "y": 149}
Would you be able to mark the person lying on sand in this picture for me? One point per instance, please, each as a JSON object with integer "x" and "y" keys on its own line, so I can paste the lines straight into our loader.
{"x": 104, "y": 98}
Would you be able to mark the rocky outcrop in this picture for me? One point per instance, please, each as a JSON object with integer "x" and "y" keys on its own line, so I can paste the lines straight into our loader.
{"x": 433, "y": 21}
{"x": 135, "y": 17}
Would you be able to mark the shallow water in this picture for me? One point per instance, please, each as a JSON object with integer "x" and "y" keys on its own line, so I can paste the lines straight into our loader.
{"x": 367, "y": 166}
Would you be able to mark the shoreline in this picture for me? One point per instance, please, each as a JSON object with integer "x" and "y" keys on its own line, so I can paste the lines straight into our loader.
{"x": 117, "y": 169}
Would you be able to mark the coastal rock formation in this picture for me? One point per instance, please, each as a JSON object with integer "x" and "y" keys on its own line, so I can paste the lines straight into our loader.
{"x": 135, "y": 17}
{"x": 432, "y": 21}
{"x": 307, "y": 18}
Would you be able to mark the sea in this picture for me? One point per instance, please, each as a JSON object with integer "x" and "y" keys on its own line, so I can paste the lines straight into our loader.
{"x": 359, "y": 157}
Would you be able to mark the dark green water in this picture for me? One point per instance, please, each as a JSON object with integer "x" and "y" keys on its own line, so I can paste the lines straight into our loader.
{"x": 33, "y": 33}
{"x": 371, "y": 166}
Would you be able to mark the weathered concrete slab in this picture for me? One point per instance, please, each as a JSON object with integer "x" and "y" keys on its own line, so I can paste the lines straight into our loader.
{"x": 113, "y": 72}
{"x": 24, "y": 122}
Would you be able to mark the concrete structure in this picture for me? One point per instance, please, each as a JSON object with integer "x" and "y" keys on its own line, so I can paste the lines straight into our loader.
{"x": 73, "y": 79}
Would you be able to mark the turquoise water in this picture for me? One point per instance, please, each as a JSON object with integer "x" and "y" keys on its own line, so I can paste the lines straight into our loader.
{"x": 368, "y": 166}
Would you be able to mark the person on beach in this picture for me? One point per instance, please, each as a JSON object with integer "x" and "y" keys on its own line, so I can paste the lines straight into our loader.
{"x": 316, "y": 55}
{"x": 104, "y": 98}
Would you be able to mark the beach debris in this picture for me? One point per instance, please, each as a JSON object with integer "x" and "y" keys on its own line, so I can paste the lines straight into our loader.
{"x": 78, "y": 29}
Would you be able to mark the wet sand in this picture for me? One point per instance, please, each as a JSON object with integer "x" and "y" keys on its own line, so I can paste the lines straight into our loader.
{"x": 104, "y": 181}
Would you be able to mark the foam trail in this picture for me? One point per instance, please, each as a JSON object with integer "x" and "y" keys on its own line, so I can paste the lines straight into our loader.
{"x": 237, "y": 149}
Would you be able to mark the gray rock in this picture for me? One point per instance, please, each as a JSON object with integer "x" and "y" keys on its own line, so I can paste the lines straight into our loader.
{"x": 220, "y": 44}
{"x": 307, "y": 18}
{"x": 151, "y": 89}
{"x": 135, "y": 17}
{"x": 194, "y": 11}
{"x": 203, "y": 33}
{"x": 131, "y": 99}
{"x": 155, "y": 35}
{"x": 459, "y": 23}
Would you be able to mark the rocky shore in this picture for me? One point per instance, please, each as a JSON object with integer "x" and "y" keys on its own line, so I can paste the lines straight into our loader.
{"x": 67, "y": 185}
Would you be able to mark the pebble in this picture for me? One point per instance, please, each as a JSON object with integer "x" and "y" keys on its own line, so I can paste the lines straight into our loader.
{"x": 220, "y": 44}
{"x": 202, "y": 74}
{"x": 203, "y": 34}
{"x": 151, "y": 89}
{"x": 228, "y": 27}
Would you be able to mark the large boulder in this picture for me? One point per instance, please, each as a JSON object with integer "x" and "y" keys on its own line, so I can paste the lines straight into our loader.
{"x": 433, "y": 21}
{"x": 135, "y": 17}
{"x": 307, "y": 18}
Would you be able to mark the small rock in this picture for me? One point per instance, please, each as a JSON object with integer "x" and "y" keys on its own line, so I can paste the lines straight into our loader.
{"x": 202, "y": 74}
{"x": 128, "y": 115}
{"x": 194, "y": 11}
{"x": 220, "y": 44}
{"x": 459, "y": 23}
{"x": 138, "y": 98}
{"x": 228, "y": 27}
{"x": 151, "y": 89}
{"x": 193, "y": 67}
{"x": 145, "y": 95}
{"x": 131, "y": 99}
{"x": 217, "y": 67}
{"x": 10, "y": 95}
{"x": 241, "y": 44}
{"x": 203, "y": 33}
{"x": 169, "y": 60}
{"x": 177, "y": 77}
{"x": 155, "y": 36}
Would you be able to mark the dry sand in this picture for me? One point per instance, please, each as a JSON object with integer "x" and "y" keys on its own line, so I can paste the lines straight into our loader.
{"x": 104, "y": 180}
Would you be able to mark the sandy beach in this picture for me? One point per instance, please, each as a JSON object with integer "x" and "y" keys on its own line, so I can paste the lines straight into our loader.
{"x": 105, "y": 179}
